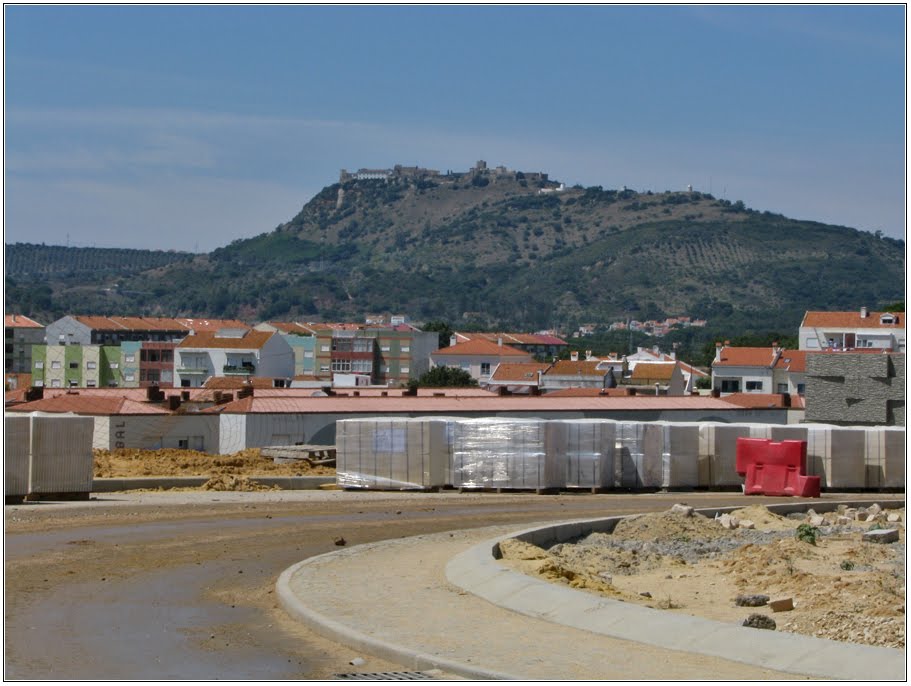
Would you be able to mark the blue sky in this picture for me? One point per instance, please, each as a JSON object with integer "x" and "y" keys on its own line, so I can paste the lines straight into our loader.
{"x": 187, "y": 127}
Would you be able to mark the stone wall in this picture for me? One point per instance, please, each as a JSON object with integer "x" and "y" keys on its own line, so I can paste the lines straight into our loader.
{"x": 856, "y": 388}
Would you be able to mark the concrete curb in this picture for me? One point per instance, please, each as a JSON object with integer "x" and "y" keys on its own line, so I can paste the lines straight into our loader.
{"x": 336, "y": 631}
{"x": 287, "y": 483}
{"x": 477, "y": 571}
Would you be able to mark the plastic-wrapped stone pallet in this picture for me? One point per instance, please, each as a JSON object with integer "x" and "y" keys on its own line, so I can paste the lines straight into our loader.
{"x": 837, "y": 453}
{"x": 884, "y": 456}
{"x": 670, "y": 455}
{"x": 586, "y": 448}
{"x": 392, "y": 454}
{"x": 61, "y": 462}
{"x": 628, "y": 456}
{"x": 718, "y": 453}
{"x": 15, "y": 456}
{"x": 500, "y": 452}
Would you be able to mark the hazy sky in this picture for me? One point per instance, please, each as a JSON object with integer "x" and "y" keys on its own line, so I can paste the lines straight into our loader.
{"x": 188, "y": 127}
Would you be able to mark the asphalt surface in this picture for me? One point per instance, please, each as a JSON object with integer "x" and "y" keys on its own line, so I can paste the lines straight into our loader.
{"x": 182, "y": 585}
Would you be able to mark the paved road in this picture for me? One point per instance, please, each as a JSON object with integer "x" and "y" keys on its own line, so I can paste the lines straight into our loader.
{"x": 180, "y": 586}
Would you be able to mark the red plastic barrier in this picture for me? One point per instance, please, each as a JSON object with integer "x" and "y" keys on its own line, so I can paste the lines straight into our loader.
{"x": 775, "y": 468}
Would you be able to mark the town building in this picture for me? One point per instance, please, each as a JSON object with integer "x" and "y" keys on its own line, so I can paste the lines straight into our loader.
{"x": 857, "y": 330}
{"x": 232, "y": 353}
{"x": 92, "y": 330}
{"x": 542, "y": 346}
{"x": 758, "y": 370}
{"x": 478, "y": 356}
{"x": 19, "y": 335}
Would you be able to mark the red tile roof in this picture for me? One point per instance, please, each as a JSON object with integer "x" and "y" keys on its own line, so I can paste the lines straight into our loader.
{"x": 851, "y": 320}
{"x": 653, "y": 370}
{"x": 764, "y": 400}
{"x": 570, "y": 368}
{"x": 514, "y": 338}
{"x": 212, "y": 324}
{"x": 490, "y": 404}
{"x": 251, "y": 340}
{"x": 518, "y": 372}
{"x": 482, "y": 347}
{"x": 89, "y": 405}
{"x": 229, "y": 383}
{"x": 130, "y": 323}
{"x": 745, "y": 357}
{"x": 291, "y": 327}
{"x": 792, "y": 361}
{"x": 20, "y": 321}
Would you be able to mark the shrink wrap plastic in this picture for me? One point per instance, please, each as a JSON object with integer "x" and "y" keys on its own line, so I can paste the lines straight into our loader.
{"x": 503, "y": 453}
{"x": 586, "y": 447}
{"x": 61, "y": 454}
{"x": 718, "y": 453}
{"x": 671, "y": 455}
{"x": 629, "y": 455}
{"x": 884, "y": 457}
{"x": 392, "y": 454}
{"x": 15, "y": 455}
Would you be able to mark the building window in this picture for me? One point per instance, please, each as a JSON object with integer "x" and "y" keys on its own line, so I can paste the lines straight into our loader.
{"x": 39, "y": 364}
{"x": 485, "y": 368}
{"x": 406, "y": 348}
{"x": 754, "y": 385}
{"x": 55, "y": 364}
{"x": 114, "y": 365}
{"x": 73, "y": 383}
{"x": 183, "y": 443}
{"x": 38, "y": 382}
{"x": 130, "y": 377}
{"x": 782, "y": 388}
{"x": 308, "y": 354}
{"x": 90, "y": 365}
{"x": 74, "y": 365}
{"x": 55, "y": 383}
{"x": 362, "y": 366}
{"x": 90, "y": 383}
{"x": 405, "y": 370}
{"x": 184, "y": 383}
{"x": 730, "y": 385}
{"x": 341, "y": 365}
{"x": 384, "y": 348}
{"x": 800, "y": 388}
{"x": 324, "y": 367}
{"x": 324, "y": 348}
{"x": 129, "y": 358}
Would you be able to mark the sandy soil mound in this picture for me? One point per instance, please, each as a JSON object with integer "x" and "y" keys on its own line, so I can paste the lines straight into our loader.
{"x": 841, "y": 587}
{"x": 230, "y": 482}
{"x": 130, "y": 462}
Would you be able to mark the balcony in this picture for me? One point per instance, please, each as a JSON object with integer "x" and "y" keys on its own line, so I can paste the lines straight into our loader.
{"x": 189, "y": 370}
{"x": 245, "y": 369}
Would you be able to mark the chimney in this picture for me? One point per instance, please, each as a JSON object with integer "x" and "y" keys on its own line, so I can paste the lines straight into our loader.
{"x": 574, "y": 356}
{"x": 786, "y": 399}
{"x": 863, "y": 313}
{"x": 500, "y": 341}
{"x": 717, "y": 352}
{"x": 588, "y": 354}
{"x": 173, "y": 402}
{"x": 185, "y": 395}
{"x": 452, "y": 340}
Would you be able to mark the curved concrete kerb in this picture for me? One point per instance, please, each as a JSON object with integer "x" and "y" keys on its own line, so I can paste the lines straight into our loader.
{"x": 295, "y": 605}
{"x": 477, "y": 571}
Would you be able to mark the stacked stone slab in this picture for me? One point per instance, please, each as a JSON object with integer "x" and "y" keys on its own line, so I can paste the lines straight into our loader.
{"x": 718, "y": 453}
{"x": 504, "y": 453}
{"x": 670, "y": 455}
{"x": 586, "y": 447}
{"x": 17, "y": 445}
{"x": 884, "y": 457}
{"x": 392, "y": 454}
{"x": 61, "y": 461}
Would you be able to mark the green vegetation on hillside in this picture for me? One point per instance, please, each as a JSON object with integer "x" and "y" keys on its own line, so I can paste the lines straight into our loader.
{"x": 495, "y": 255}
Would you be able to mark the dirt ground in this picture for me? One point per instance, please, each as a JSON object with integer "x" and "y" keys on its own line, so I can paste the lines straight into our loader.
{"x": 841, "y": 588}
{"x": 229, "y": 472}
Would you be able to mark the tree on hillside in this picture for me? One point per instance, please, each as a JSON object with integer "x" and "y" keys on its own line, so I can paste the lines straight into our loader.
{"x": 445, "y": 377}
{"x": 441, "y": 327}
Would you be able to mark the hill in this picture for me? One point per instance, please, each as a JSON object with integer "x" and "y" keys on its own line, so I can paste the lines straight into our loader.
{"x": 492, "y": 248}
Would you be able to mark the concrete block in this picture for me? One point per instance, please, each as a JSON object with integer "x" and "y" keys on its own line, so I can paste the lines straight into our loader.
{"x": 718, "y": 453}
{"x": 880, "y": 536}
{"x": 628, "y": 454}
